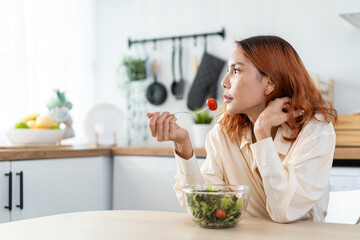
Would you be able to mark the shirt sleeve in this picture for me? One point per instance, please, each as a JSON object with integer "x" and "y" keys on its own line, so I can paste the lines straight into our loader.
{"x": 294, "y": 186}
{"x": 188, "y": 171}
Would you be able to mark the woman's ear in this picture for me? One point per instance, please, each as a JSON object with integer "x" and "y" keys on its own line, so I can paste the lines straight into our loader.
{"x": 269, "y": 85}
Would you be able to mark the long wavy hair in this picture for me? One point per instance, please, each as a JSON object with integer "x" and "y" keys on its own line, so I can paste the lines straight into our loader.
{"x": 276, "y": 58}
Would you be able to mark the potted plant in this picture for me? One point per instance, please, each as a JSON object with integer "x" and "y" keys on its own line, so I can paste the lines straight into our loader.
{"x": 201, "y": 127}
{"x": 135, "y": 68}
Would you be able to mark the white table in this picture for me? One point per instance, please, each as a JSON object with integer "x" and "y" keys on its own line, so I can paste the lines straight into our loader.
{"x": 124, "y": 225}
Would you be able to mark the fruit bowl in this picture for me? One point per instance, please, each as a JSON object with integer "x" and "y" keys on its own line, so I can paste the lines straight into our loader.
{"x": 35, "y": 136}
{"x": 216, "y": 206}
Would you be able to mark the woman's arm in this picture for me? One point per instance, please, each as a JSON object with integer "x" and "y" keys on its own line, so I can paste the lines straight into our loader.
{"x": 294, "y": 186}
{"x": 164, "y": 128}
{"x": 188, "y": 171}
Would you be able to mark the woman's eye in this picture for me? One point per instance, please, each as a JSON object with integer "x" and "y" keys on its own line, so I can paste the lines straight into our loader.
{"x": 236, "y": 71}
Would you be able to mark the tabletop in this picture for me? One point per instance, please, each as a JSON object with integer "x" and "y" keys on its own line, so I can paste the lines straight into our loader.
{"x": 126, "y": 224}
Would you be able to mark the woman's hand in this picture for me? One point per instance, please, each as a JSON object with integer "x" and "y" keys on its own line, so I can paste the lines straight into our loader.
{"x": 275, "y": 114}
{"x": 164, "y": 128}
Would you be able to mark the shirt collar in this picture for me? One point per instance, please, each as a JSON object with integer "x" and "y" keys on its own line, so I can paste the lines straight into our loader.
{"x": 247, "y": 138}
{"x": 281, "y": 145}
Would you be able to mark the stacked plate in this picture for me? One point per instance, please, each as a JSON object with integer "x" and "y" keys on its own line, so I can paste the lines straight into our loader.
{"x": 104, "y": 124}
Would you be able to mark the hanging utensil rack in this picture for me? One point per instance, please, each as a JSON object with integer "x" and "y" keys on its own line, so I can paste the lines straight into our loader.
{"x": 195, "y": 36}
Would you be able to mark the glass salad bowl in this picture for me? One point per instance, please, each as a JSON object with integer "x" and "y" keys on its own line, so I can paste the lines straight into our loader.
{"x": 216, "y": 206}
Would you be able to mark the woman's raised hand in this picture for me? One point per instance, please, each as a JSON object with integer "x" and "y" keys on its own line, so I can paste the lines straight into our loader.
{"x": 275, "y": 114}
{"x": 164, "y": 128}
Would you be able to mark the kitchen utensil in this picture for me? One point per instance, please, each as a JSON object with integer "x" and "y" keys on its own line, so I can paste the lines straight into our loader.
{"x": 196, "y": 65}
{"x": 174, "y": 83}
{"x": 200, "y": 111}
{"x": 205, "y": 83}
{"x": 156, "y": 93}
{"x": 181, "y": 84}
{"x": 216, "y": 205}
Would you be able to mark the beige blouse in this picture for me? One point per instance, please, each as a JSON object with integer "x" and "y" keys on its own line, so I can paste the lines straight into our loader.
{"x": 288, "y": 181}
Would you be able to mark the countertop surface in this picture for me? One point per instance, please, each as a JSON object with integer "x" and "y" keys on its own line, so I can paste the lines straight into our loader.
{"x": 46, "y": 152}
{"x": 135, "y": 225}
{"x": 347, "y": 131}
{"x": 29, "y": 153}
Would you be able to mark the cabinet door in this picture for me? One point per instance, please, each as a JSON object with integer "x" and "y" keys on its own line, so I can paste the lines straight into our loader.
{"x": 61, "y": 185}
{"x": 145, "y": 183}
{"x": 4, "y": 191}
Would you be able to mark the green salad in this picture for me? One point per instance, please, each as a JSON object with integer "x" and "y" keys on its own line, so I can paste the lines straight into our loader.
{"x": 214, "y": 210}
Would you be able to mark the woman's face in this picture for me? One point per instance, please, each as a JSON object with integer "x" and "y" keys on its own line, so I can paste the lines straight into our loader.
{"x": 244, "y": 86}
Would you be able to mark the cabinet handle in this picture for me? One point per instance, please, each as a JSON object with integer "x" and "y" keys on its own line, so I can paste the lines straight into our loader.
{"x": 21, "y": 205}
{"x": 10, "y": 190}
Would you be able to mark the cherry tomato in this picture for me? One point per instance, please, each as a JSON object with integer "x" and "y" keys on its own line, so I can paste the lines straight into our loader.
{"x": 220, "y": 213}
{"x": 212, "y": 104}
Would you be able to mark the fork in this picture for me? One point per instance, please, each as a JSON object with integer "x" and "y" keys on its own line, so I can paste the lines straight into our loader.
{"x": 200, "y": 111}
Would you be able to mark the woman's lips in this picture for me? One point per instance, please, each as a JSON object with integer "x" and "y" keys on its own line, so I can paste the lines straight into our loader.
{"x": 227, "y": 99}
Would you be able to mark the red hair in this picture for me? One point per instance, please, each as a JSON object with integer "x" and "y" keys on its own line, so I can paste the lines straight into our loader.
{"x": 276, "y": 58}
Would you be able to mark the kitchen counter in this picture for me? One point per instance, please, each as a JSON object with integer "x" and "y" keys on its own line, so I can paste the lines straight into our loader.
{"x": 347, "y": 153}
{"x": 135, "y": 225}
{"x": 46, "y": 152}
{"x": 347, "y": 147}
{"x": 27, "y": 153}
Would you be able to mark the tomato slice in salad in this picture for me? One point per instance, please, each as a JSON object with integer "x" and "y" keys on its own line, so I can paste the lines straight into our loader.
{"x": 212, "y": 104}
{"x": 220, "y": 213}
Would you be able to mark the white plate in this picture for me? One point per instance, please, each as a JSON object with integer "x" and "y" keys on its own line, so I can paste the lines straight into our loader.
{"x": 35, "y": 136}
{"x": 107, "y": 121}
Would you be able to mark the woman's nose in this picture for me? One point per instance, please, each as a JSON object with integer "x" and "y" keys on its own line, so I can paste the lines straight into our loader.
{"x": 225, "y": 83}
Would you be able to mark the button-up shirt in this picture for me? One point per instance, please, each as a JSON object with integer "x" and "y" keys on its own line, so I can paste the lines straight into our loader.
{"x": 288, "y": 180}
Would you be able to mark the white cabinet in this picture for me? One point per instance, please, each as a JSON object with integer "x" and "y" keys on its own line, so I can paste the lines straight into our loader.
{"x": 4, "y": 191}
{"x": 55, "y": 186}
{"x": 344, "y": 195}
{"x": 344, "y": 179}
{"x": 145, "y": 183}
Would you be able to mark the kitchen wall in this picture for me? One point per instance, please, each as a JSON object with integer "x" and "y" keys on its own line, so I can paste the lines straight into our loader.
{"x": 327, "y": 44}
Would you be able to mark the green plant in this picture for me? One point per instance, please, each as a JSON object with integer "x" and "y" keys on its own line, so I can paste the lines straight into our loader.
{"x": 203, "y": 118}
{"x": 135, "y": 68}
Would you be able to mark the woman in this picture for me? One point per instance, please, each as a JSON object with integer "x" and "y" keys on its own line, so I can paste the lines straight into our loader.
{"x": 274, "y": 134}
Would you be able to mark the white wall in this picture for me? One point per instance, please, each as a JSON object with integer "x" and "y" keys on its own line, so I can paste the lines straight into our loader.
{"x": 327, "y": 44}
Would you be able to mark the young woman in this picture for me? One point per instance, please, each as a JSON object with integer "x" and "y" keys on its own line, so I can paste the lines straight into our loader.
{"x": 274, "y": 133}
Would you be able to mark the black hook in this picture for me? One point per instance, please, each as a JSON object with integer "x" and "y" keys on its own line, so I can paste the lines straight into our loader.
{"x": 195, "y": 41}
{"x": 145, "y": 52}
{"x": 205, "y": 43}
{"x": 154, "y": 44}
